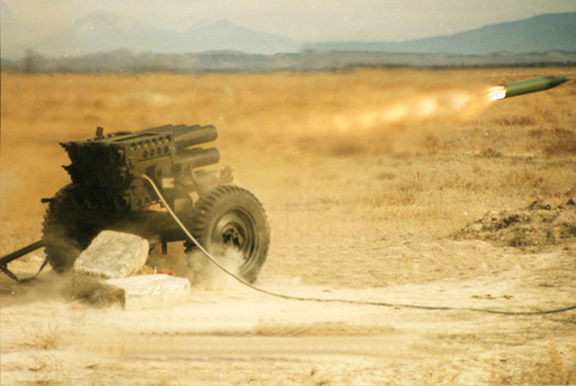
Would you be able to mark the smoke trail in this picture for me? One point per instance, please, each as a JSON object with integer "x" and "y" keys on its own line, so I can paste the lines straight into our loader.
{"x": 450, "y": 105}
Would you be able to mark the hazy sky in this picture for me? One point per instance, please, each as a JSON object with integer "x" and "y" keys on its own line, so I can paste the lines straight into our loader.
{"x": 302, "y": 20}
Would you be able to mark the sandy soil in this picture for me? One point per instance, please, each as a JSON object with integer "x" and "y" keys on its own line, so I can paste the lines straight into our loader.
{"x": 351, "y": 218}
{"x": 230, "y": 335}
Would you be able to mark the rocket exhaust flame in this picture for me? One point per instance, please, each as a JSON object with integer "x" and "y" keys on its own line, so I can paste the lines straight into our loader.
{"x": 496, "y": 93}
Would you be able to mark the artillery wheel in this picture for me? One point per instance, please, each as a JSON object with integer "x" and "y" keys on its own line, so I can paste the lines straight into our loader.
{"x": 64, "y": 235}
{"x": 232, "y": 217}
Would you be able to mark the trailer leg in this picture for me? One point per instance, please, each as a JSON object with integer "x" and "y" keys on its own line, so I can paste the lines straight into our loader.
{"x": 17, "y": 254}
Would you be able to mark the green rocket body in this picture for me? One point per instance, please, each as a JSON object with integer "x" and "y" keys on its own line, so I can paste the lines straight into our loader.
{"x": 532, "y": 85}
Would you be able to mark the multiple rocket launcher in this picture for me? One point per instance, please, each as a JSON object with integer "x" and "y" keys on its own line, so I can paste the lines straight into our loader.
{"x": 104, "y": 169}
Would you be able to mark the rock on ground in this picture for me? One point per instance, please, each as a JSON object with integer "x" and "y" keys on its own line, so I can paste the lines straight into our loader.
{"x": 149, "y": 291}
{"x": 113, "y": 255}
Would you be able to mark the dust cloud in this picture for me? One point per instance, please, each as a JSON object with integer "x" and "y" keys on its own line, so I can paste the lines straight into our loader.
{"x": 206, "y": 276}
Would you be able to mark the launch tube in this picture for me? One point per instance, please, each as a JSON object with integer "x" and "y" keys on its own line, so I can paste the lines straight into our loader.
{"x": 198, "y": 157}
{"x": 195, "y": 135}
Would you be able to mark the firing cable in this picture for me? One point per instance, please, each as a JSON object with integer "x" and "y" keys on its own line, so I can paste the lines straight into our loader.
{"x": 334, "y": 300}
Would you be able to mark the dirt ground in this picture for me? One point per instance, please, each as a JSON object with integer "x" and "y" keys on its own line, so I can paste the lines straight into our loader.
{"x": 395, "y": 186}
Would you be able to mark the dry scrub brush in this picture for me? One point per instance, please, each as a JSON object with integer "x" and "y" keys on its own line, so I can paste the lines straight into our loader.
{"x": 550, "y": 367}
{"x": 46, "y": 337}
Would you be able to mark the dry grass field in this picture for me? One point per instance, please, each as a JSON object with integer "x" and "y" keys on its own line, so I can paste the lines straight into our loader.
{"x": 365, "y": 176}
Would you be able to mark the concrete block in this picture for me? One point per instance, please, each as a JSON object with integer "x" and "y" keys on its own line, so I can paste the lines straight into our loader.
{"x": 148, "y": 291}
{"x": 113, "y": 255}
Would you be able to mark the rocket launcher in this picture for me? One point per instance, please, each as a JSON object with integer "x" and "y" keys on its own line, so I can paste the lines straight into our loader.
{"x": 105, "y": 170}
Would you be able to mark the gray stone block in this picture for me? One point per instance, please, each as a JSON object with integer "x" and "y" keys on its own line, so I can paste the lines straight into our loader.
{"x": 113, "y": 255}
{"x": 148, "y": 291}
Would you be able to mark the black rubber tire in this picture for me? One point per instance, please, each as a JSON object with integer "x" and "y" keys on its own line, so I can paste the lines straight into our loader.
{"x": 64, "y": 235}
{"x": 230, "y": 216}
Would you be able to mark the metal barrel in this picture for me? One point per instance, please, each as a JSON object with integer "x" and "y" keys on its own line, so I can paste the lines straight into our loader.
{"x": 198, "y": 157}
{"x": 532, "y": 85}
{"x": 194, "y": 135}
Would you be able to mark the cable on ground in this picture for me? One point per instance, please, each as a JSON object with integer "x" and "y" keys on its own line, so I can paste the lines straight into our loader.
{"x": 334, "y": 300}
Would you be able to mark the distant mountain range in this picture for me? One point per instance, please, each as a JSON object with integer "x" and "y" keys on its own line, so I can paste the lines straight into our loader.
{"x": 101, "y": 31}
{"x": 538, "y": 34}
{"x": 104, "y": 31}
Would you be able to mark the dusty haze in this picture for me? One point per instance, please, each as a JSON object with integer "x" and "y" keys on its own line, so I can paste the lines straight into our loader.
{"x": 365, "y": 176}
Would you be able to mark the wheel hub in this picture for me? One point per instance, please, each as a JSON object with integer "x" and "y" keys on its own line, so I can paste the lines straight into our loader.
{"x": 233, "y": 236}
{"x": 234, "y": 230}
